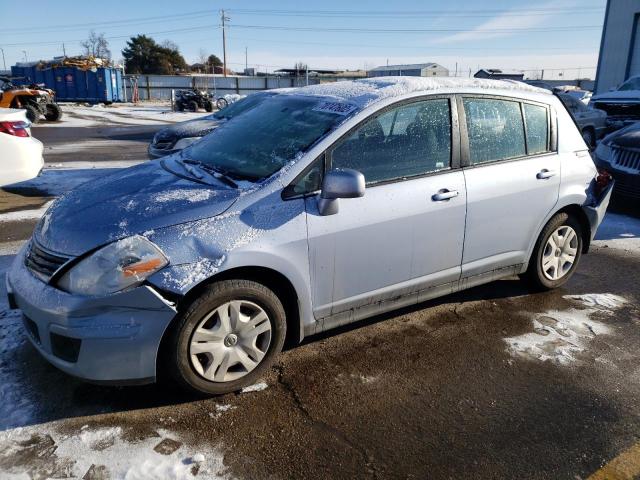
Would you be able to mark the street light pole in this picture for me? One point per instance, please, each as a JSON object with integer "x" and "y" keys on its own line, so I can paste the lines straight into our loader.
{"x": 4, "y": 64}
{"x": 25, "y": 55}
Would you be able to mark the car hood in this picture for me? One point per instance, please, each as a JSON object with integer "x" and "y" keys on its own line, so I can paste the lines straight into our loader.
{"x": 190, "y": 128}
{"x": 627, "y": 137}
{"x": 135, "y": 200}
{"x": 618, "y": 96}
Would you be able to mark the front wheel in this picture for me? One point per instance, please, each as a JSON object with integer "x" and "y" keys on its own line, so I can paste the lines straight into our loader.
{"x": 33, "y": 115}
{"x": 556, "y": 254}
{"x": 193, "y": 106}
{"x": 227, "y": 337}
{"x": 208, "y": 106}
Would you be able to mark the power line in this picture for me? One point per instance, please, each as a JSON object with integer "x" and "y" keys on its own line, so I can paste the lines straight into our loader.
{"x": 418, "y": 13}
{"x": 418, "y": 30}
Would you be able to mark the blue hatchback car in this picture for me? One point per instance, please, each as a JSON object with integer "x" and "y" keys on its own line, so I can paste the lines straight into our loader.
{"x": 204, "y": 262}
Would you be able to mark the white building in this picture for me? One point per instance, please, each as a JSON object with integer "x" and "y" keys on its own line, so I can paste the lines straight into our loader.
{"x": 415, "y": 70}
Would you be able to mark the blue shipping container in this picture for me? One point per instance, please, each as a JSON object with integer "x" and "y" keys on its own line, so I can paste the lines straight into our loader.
{"x": 71, "y": 84}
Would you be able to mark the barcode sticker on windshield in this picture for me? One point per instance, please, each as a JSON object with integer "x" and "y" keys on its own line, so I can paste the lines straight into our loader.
{"x": 335, "y": 107}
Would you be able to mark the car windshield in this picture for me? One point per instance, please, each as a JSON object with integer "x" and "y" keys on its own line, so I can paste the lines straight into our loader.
{"x": 632, "y": 84}
{"x": 240, "y": 106}
{"x": 268, "y": 136}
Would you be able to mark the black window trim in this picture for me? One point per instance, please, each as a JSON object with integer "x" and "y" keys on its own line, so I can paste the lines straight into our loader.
{"x": 552, "y": 141}
{"x": 325, "y": 156}
{"x": 455, "y": 137}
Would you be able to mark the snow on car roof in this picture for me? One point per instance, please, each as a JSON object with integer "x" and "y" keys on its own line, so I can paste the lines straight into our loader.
{"x": 364, "y": 92}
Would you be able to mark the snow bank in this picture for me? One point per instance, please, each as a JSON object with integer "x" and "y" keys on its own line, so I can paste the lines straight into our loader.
{"x": 257, "y": 387}
{"x": 367, "y": 91}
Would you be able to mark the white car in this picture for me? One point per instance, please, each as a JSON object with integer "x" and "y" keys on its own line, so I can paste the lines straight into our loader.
{"x": 21, "y": 153}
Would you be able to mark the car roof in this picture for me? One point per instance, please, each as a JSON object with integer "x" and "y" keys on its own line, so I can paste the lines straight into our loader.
{"x": 365, "y": 92}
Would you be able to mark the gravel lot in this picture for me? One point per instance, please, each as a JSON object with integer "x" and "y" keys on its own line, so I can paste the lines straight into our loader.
{"x": 493, "y": 382}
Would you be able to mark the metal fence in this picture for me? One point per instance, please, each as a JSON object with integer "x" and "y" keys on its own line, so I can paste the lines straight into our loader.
{"x": 158, "y": 87}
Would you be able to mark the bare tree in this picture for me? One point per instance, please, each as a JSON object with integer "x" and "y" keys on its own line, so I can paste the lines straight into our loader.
{"x": 170, "y": 45}
{"x": 96, "y": 46}
{"x": 300, "y": 67}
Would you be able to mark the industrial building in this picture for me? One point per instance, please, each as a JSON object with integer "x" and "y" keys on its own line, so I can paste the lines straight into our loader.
{"x": 415, "y": 70}
{"x": 620, "y": 45}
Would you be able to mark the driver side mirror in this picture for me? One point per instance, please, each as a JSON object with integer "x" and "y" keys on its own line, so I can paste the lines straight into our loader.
{"x": 339, "y": 183}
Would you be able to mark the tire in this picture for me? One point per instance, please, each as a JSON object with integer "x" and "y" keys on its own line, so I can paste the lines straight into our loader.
{"x": 221, "y": 103}
{"x": 544, "y": 271}
{"x": 180, "y": 106}
{"x": 33, "y": 115}
{"x": 190, "y": 359}
{"x": 193, "y": 106}
{"x": 208, "y": 106}
{"x": 53, "y": 112}
{"x": 589, "y": 137}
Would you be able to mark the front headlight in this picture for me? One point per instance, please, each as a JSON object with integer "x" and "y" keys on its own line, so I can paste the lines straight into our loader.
{"x": 603, "y": 152}
{"x": 185, "y": 142}
{"x": 115, "y": 267}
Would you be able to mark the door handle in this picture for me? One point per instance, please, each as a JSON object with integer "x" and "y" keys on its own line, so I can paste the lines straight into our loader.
{"x": 544, "y": 174}
{"x": 444, "y": 194}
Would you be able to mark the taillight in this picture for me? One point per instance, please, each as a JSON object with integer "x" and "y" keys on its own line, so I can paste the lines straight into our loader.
{"x": 17, "y": 129}
{"x": 603, "y": 179}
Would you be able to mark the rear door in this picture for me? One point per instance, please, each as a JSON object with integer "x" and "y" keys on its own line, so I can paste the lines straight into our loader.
{"x": 401, "y": 236}
{"x": 512, "y": 173}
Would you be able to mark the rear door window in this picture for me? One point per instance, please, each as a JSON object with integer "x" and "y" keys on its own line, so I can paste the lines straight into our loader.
{"x": 537, "y": 125}
{"x": 495, "y": 129}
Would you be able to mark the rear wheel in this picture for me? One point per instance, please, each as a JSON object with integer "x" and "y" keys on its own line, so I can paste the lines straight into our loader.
{"x": 33, "y": 115}
{"x": 53, "y": 112}
{"x": 227, "y": 337}
{"x": 193, "y": 106}
{"x": 556, "y": 254}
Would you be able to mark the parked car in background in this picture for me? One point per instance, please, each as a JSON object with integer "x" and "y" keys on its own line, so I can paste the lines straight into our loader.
{"x": 582, "y": 95}
{"x": 619, "y": 154}
{"x": 176, "y": 137}
{"x": 591, "y": 121}
{"x": 622, "y": 105}
{"x": 320, "y": 206}
{"x": 20, "y": 153}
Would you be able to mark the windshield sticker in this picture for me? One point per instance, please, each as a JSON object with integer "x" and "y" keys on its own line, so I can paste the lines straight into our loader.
{"x": 335, "y": 107}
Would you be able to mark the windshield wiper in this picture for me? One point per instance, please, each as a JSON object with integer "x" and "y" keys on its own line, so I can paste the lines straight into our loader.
{"x": 190, "y": 169}
{"x": 217, "y": 173}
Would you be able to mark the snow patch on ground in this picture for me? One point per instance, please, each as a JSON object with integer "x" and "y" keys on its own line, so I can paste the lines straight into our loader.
{"x": 257, "y": 387}
{"x": 603, "y": 301}
{"x": 558, "y": 335}
{"x": 146, "y": 113}
{"x": 42, "y": 452}
{"x": 21, "y": 215}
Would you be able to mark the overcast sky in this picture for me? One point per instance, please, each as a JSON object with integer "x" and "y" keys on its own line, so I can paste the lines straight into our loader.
{"x": 561, "y": 36}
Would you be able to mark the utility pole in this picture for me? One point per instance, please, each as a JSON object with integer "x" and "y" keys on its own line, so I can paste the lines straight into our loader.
{"x": 246, "y": 61}
{"x": 224, "y": 42}
{"x": 3, "y": 62}
{"x": 25, "y": 55}
{"x": 64, "y": 50}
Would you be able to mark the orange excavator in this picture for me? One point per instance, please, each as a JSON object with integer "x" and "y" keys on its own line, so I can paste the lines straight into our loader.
{"x": 37, "y": 101}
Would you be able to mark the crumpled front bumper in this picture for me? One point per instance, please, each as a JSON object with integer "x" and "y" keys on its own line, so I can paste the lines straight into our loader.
{"x": 104, "y": 339}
